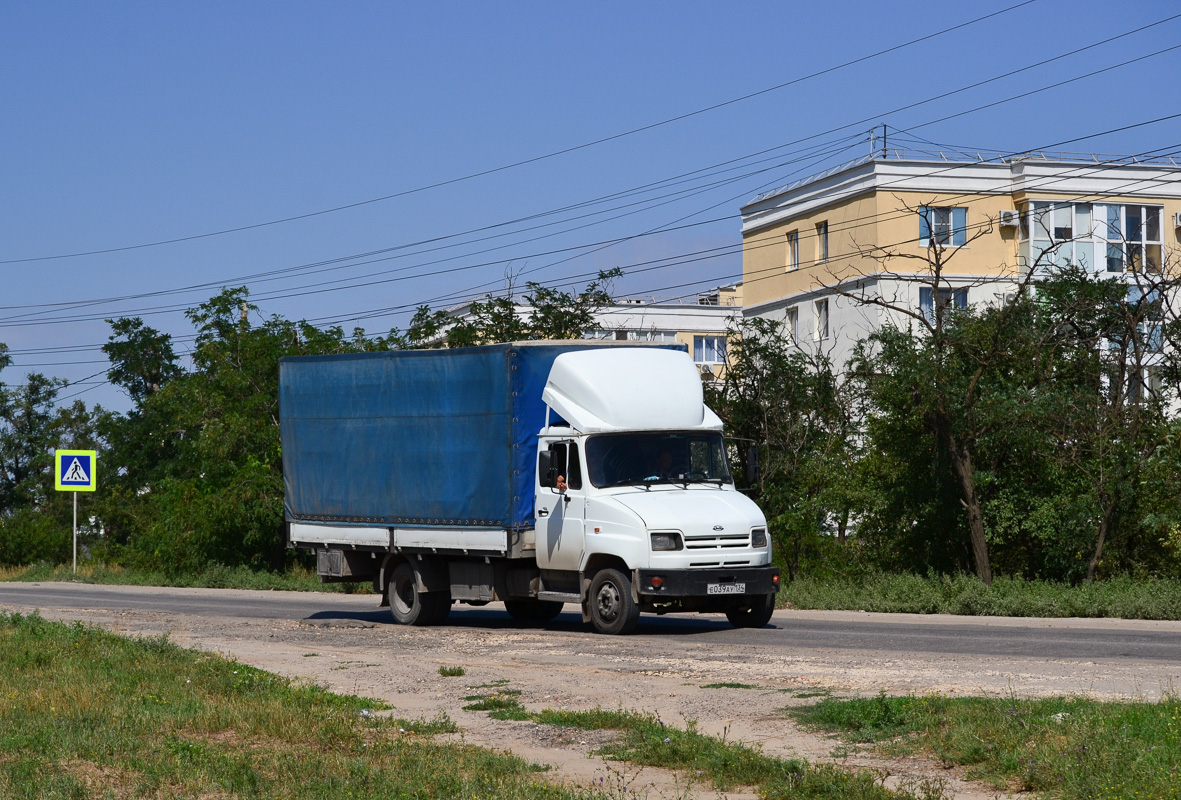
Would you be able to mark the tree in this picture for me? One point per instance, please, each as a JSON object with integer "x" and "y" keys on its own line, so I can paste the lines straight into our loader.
{"x": 142, "y": 358}
{"x": 551, "y": 314}
{"x": 35, "y": 520}
{"x": 26, "y": 437}
{"x": 1111, "y": 333}
{"x": 199, "y": 470}
{"x": 790, "y": 406}
{"x": 940, "y": 373}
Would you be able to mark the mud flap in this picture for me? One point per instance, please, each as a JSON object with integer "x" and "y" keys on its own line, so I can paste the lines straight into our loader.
{"x": 586, "y": 582}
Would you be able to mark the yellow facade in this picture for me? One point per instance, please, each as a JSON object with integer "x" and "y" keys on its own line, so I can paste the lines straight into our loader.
{"x": 872, "y": 210}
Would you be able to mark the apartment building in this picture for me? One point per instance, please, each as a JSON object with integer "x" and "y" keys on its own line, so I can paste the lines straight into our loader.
{"x": 826, "y": 255}
{"x": 700, "y": 323}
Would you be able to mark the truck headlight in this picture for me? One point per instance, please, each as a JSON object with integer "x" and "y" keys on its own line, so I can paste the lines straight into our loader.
{"x": 758, "y": 537}
{"x": 666, "y": 540}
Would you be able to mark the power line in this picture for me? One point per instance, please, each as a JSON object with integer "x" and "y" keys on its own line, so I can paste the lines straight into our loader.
{"x": 336, "y": 263}
{"x": 727, "y": 249}
{"x": 906, "y": 107}
{"x": 535, "y": 159}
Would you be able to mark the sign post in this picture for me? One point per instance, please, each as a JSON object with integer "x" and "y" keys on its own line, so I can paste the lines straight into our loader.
{"x": 74, "y": 471}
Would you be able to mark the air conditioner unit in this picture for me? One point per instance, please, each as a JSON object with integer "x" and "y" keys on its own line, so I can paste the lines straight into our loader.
{"x": 1010, "y": 218}
{"x": 1177, "y": 219}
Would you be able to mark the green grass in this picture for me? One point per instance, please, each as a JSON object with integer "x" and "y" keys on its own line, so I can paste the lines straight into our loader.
{"x": 502, "y": 704}
{"x": 452, "y": 672}
{"x": 84, "y": 713}
{"x": 214, "y": 577}
{"x": 646, "y": 739}
{"x": 1151, "y": 598}
{"x": 1071, "y": 748}
{"x": 727, "y": 685}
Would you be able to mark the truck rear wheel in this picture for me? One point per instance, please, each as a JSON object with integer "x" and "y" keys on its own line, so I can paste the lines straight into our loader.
{"x": 755, "y": 613}
{"x": 612, "y": 609}
{"x": 533, "y": 610}
{"x": 412, "y": 607}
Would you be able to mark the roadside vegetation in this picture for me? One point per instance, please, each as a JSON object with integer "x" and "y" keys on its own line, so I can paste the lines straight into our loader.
{"x": 1070, "y": 748}
{"x": 295, "y": 578}
{"x": 647, "y": 740}
{"x": 1123, "y": 597}
{"x": 1032, "y": 444}
{"x": 84, "y": 713}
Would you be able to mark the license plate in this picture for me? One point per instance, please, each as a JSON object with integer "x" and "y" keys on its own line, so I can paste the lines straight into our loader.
{"x": 725, "y": 588}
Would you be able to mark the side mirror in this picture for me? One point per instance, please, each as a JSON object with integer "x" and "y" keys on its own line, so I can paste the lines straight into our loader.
{"x": 752, "y": 465}
{"x": 547, "y": 474}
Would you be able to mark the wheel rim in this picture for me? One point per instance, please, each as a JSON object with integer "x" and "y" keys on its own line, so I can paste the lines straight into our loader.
{"x": 404, "y": 596}
{"x": 608, "y": 601}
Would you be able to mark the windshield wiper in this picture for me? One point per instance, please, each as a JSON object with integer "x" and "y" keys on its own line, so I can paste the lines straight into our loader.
{"x": 628, "y": 482}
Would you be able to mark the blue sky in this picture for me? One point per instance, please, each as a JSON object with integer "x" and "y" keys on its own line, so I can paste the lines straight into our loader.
{"x": 127, "y": 124}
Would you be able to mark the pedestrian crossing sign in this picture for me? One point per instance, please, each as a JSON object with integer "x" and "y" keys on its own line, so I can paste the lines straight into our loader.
{"x": 73, "y": 470}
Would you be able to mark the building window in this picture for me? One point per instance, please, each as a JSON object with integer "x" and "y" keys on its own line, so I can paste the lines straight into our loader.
{"x": 1147, "y": 309}
{"x": 793, "y": 250}
{"x": 943, "y": 226}
{"x": 1106, "y": 237}
{"x": 821, "y": 332}
{"x": 629, "y": 335}
{"x": 793, "y": 324}
{"x": 948, "y": 299}
{"x": 709, "y": 349}
{"x": 821, "y": 241}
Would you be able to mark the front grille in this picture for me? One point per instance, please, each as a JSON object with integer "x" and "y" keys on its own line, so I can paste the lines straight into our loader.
{"x": 727, "y": 563}
{"x": 717, "y": 542}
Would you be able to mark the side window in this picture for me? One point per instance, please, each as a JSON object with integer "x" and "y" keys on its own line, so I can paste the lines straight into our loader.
{"x": 565, "y": 460}
{"x": 574, "y": 476}
{"x": 557, "y": 453}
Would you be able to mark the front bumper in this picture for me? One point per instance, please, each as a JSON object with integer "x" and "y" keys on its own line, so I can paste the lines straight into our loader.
{"x": 676, "y": 584}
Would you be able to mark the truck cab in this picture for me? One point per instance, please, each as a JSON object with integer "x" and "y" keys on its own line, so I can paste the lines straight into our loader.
{"x": 636, "y": 509}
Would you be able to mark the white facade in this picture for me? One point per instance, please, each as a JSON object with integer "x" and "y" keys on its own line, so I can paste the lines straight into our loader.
{"x": 995, "y": 219}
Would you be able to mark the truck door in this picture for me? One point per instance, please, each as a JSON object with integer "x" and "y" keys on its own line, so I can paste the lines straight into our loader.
{"x": 561, "y": 514}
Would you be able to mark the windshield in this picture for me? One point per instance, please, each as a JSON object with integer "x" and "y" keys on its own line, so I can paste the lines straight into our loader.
{"x": 645, "y": 458}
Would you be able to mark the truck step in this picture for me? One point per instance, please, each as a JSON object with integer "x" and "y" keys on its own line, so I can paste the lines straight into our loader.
{"x": 561, "y": 597}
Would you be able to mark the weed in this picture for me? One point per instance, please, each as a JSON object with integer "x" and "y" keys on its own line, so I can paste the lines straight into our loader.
{"x": 647, "y": 740}
{"x": 1068, "y": 747}
{"x": 726, "y": 685}
{"x": 452, "y": 672}
{"x": 503, "y": 704}
{"x": 440, "y": 723}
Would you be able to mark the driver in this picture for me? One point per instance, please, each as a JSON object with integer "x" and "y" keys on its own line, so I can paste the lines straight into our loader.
{"x": 663, "y": 469}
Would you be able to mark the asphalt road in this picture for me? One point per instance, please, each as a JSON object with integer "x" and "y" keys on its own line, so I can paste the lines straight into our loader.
{"x": 903, "y": 635}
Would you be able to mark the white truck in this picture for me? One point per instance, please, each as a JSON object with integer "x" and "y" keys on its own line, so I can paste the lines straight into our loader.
{"x": 535, "y": 473}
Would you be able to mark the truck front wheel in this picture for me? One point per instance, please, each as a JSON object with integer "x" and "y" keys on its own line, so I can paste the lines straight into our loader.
{"x": 612, "y": 609}
{"x": 755, "y": 613}
{"x": 412, "y": 607}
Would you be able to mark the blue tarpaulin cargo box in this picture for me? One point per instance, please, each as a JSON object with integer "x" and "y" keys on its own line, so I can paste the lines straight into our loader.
{"x": 415, "y": 437}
